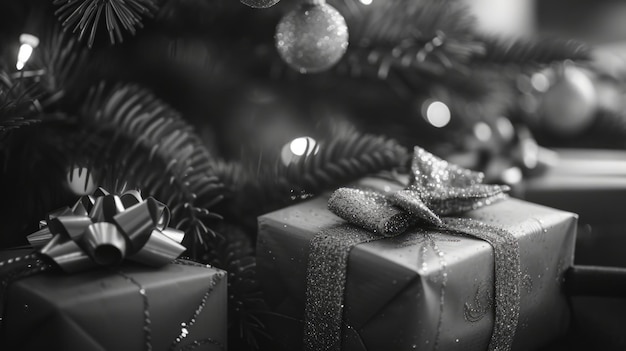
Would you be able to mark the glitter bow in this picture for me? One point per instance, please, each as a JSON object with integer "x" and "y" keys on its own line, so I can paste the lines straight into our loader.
{"x": 104, "y": 229}
{"x": 435, "y": 189}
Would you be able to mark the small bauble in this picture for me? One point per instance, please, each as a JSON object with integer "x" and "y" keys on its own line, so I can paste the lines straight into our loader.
{"x": 568, "y": 107}
{"x": 312, "y": 38}
{"x": 260, "y": 4}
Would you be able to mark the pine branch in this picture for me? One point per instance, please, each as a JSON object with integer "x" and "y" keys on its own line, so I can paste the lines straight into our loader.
{"x": 391, "y": 21}
{"x": 65, "y": 66}
{"x": 234, "y": 253}
{"x": 18, "y": 107}
{"x": 529, "y": 52}
{"x": 84, "y": 16}
{"x": 18, "y": 95}
{"x": 57, "y": 68}
{"x": 252, "y": 191}
{"x": 133, "y": 139}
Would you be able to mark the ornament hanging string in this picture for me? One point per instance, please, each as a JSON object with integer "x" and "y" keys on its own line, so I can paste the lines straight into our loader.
{"x": 436, "y": 189}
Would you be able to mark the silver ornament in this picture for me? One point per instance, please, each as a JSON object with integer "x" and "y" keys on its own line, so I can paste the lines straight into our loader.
{"x": 312, "y": 38}
{"x": 260, "y": 4}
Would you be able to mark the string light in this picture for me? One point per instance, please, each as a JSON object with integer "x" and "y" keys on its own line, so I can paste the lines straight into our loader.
{"x": 482, "y": 131}
{"x": 540, "y": 82}
{"x": 298, "y": 147}
{"x": 437, "y": 113}
{"x": 512, "y": 175}
{"x": 505, "y": 128}
{"x": 29, "y": 43}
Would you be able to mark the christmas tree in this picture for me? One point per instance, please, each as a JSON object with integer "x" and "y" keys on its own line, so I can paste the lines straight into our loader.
{"x": 226, "y": 110}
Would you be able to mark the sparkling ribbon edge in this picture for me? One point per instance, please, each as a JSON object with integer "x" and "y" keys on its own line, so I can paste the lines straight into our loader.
{"x": 326, "y": 280}
{"x": 327, "y": 276}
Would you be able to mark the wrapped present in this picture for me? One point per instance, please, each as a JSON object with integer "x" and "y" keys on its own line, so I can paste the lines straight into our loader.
{"x": 432, "y": 287}
{"x": 577, "y": 180}
{"x": 105, "y": 277}
{"x": 173, "y": 307}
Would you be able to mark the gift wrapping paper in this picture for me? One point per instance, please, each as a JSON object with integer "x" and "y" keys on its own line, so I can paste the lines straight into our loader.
{"x": 415, "y": 291}
{"x": 103, "y": 309}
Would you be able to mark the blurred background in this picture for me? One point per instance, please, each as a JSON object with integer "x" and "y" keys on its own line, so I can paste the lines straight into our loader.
{"x": 214, "y": 107}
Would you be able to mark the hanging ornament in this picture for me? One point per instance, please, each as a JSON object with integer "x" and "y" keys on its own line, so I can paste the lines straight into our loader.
{"x": 260, "y": 4}
{"x": 313, "y": 37}
{"x": 568, "y": 106}
{"x": 83, "y": 16}
{"x": 80, "y": 181}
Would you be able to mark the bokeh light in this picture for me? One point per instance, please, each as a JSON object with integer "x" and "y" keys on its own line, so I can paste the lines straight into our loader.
{"x": 437, "y": 114}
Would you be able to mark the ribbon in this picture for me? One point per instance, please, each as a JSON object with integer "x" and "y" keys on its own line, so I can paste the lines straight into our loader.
{"x": 105, "y": 229}
{"x": 435, "y": 189}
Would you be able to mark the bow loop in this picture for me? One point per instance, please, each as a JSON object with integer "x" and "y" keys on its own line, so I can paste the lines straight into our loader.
{"x": 370, "y": 209}
{"x": 105, "y": 208}
{"x": 104, "y": 229}
{"x": 104, "y": 243}
{"x": 83, "y": 205}
{"x": 436, "y": 188}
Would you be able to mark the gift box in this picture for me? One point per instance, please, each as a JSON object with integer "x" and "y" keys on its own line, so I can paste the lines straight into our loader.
{"x": 421, "y": 291}
{"x": 591, "y": 183}
{"x": 179, "y": 306}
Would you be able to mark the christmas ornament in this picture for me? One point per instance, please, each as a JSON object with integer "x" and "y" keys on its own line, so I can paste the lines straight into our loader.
{"x": 84, "y": 16}
{"x": 260, "y": 4}
{"x": 312, "y": 38}
{"x": 568, "y": 106}
{"x": 80, "y": 181}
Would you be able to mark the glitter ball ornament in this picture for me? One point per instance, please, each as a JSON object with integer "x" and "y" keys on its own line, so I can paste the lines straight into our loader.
{"x": 260, "y": 4}
{"x": 568, "y": 107}
{"x": 312, "y": 38}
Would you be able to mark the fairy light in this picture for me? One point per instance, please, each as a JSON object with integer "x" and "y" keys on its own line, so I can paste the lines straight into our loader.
{"x": 303, "y": 145}
{"x": 540, "y": 82}
{"x": 505, "y": 128}
{"x": 512, "y": 175}
{"x": 437, "y": 114}
{"x": 29, "y": 43}
{"x": 482, "y": 131}
{"x": 298, "y": 147}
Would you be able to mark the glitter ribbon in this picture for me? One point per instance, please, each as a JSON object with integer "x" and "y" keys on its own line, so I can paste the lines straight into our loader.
{"x": 435, "y": 189}
{"x": 104, "y": 229}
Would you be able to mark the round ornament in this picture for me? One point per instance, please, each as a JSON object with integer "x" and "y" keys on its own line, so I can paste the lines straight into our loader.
{"x": 568, "y": 107}
{"x": 260, "y": 4}
{"x": 312, "y": 38}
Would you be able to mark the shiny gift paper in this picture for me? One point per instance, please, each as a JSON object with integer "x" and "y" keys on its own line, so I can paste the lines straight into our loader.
{"x": 103, "y": 310}
{"x": 426, "y": 291}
